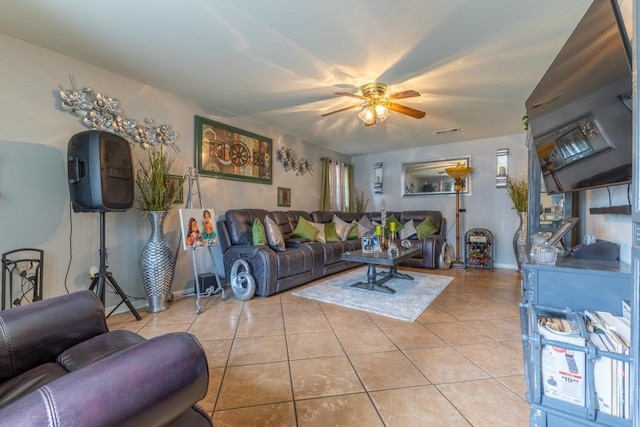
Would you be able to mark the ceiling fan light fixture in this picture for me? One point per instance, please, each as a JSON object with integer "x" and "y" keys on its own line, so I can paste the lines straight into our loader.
{"x": 368, "y": 115}
{"x": 382, "y": 112}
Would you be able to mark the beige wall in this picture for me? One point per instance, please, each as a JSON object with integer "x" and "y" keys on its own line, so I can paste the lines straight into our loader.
{"x": 34, "y": 194}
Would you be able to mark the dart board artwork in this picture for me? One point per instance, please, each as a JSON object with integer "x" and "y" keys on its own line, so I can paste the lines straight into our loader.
{"x": 223, "y": 151}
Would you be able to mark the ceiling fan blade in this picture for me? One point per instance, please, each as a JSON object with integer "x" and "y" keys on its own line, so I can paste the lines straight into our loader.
{"x": 340, "y": 110}
{"x": 404, "y": 94}
{"x": 417, "y": 114}
{"x": 353, "y": 95}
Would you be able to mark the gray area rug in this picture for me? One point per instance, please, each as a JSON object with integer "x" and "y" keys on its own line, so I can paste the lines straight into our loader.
{"x": 409, "y": 301}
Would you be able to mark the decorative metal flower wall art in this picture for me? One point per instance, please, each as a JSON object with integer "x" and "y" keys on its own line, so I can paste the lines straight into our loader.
{"x": 100, "y": 112}
{"x": 289, "y": 162}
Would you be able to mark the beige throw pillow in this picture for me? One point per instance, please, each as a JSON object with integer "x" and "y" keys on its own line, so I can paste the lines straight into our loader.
{"x": 342, "y": 228}
{"x": 274, "y": 235}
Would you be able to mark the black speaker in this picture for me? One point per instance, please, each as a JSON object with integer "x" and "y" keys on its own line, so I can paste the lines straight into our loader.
{"x": 100, "y": 171}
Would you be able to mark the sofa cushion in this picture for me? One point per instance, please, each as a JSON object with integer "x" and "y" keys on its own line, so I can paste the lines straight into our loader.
{"x": 330, "y": 233}
{"x": 258, "y": 233}
{"x": 342, "y": 228}
{"x": 425, "y": 228}
{"x": 274, "y": 235}
{"x": 304, "y": 230}
{"x": 407, "y": 230}
{"x": 31, "y": 380}
{"x": 97, "y": 348}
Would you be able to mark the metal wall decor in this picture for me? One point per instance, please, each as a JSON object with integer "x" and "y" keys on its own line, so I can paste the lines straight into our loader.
{"x": 101, "y": 112}
{"x": 287, "y": 157}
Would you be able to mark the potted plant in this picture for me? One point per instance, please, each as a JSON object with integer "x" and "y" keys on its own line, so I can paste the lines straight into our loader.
{"x": 156, "y": 196}
{"x": 518, "y": 190}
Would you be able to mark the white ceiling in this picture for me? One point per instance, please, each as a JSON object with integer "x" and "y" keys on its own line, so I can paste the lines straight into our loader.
{"x": 279, "y": 62}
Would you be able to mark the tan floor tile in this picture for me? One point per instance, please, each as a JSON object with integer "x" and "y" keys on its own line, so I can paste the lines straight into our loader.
{"x": 487, "y": 403}
{"x": 150, "y": 331}
{"x": 255, "y": 385}
{"x": 273, "y": 415}
{"x": 324, "y": 376}
{"x": 498, "y": 329}
{"x": 347, "y": 410}
{"x": 413, "y": 335}
{"x": 209, "y": 401}
{"x": 260, "y": 326}
{"x": 515, "y": 383}
{"x": 494, "y": 358}
{"x": 434, "y": 314}
{"x": 247, "y": 351}
{"x": 515, "y": 345}
{"x": 301, "y": 307}
{"x": 213, "y": 311}
{"x": 370, "y": 340}
{"x": 502, "y": 309}
{"x": 379, "y": 371}
{"x": 306, "y": 324}
{"x": 457, "y": 333}
{"x": 387, "y": 322}
{"x": 316, "y": 344}
{"x": 262, "y": 308}
{"x": 207, "y": 330}
{"x": 416, "y": 406}
{"x": 464, "y": 311}
{"x": 349, "y": 320}
{"x": 444, "y": 365}
{"x": 217, "y": 352}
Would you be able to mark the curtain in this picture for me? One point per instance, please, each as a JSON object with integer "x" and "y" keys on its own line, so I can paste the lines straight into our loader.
{"x": 336, "y": 186}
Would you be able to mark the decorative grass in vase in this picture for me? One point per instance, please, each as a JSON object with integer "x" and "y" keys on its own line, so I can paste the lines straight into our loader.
{"x": 155, "y": 192}
{"x": 518, "y": 191}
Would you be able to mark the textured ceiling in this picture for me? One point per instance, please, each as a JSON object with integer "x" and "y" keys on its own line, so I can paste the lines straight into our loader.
{"x": 279, "y": 62}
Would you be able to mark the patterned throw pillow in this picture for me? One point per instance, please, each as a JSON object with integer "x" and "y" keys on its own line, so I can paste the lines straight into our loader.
{"x": 407, "y": 230}
{"x": 274, "y": 235}
{"x": 426, "y": 228}
{"x": 258, "y": 234}
{"x": 305, "y": 230}
{"x": 342, "y": 228}
{"x": 330, "y": 233}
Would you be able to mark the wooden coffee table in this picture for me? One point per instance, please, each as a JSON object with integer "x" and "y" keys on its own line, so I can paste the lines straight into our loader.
{"x": 374, "y": 283}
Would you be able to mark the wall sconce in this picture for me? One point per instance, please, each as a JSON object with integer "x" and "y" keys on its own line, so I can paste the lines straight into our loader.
{"x": 502, "y": 167}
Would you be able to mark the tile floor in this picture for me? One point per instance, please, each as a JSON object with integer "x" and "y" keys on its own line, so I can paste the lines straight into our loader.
{"x": 289, "y": 361}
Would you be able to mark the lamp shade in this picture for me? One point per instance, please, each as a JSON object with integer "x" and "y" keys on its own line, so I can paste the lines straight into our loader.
{"x": 458, "y": 172}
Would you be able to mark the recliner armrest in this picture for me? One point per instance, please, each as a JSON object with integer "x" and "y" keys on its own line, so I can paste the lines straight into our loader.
{"x": 36, "y": 333}
{"x": 149, "y": 384}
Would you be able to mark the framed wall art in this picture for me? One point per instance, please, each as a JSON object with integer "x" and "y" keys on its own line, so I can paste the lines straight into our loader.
{"x": 284, "y": 197}
{"x": 226, "y": 152}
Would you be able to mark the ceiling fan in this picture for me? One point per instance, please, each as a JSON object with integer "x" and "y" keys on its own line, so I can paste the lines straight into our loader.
{"x": 376, "y": 103}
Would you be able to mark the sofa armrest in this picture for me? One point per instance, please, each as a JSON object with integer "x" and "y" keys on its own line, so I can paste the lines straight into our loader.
{"x": 431, "y": 248}
{"x": 36, "y": 333}
{"x": 262, "y": 263}
{"x": 149, "y": 384}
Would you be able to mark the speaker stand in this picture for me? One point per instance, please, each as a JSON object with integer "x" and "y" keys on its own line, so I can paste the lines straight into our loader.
{"x": 105, "y": 277}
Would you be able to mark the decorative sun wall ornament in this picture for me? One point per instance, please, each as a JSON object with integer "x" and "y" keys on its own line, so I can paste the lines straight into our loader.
{"x": 289, "y": 162}
{"x": 101, "y": 112}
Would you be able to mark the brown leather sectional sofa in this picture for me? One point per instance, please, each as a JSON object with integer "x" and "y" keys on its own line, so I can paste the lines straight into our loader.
{"x": 303, "y": 261}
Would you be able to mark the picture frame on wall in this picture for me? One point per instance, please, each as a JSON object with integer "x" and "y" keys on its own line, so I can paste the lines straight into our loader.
{"x": 284, "y": 197}
{"x": 227, "y": 152}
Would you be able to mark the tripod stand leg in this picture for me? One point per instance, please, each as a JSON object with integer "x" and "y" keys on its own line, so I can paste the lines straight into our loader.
{"x": 124, "y": 297}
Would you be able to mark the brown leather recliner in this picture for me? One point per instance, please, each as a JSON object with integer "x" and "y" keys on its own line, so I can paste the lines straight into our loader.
{"x": 61, "y": 366}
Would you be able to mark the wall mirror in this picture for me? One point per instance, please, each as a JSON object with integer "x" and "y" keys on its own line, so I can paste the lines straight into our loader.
{"x": 428, "y": 178}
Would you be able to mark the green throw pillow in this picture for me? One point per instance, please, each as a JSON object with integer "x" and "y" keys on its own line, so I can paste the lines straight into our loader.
{"x": 258, "y": 234}
{"x": 353, "y": 234}
{"x": 393, "y": 219}
{"x": 425, "y": 228}
{"x": 330, "y": 233}
{"x": 305, "y": 230}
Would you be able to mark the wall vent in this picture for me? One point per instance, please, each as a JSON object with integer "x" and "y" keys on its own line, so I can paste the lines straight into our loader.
{"x": 451, "y": 130}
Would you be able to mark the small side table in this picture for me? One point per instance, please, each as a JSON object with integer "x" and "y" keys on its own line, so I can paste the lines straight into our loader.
{"x": 478, "y": 248}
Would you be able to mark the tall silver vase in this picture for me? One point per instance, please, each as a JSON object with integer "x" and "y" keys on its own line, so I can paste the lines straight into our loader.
{"x": 156, "y": 264}
{"x": 520, "y": 241}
